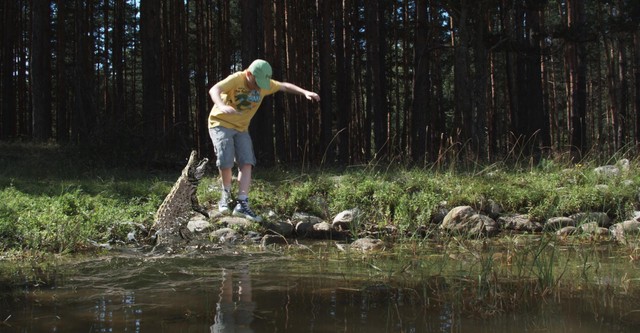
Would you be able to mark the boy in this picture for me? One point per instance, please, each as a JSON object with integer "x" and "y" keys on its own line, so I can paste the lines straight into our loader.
{"x": 236, "y": 100}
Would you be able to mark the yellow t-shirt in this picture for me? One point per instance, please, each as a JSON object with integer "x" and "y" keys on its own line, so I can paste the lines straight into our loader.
{"x": 243, "y": 99}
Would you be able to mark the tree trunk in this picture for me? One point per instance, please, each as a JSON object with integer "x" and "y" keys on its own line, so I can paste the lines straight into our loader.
{"x": 535, "y": 125}
{"x": 325, "y": 11}
{"x": 267, "y": 114}
{"x": 463, "y": 88}
{"x": 62, "y": 91}
{"x": 8, "y": 107}
{"x": 615, "y": 54}
{"x": 201, "y": 90}
{"x": 342, "y": 82}
{"x": 152, "y": 96}
{"x": 181, "y": 122}
{"x": 480, "y": 84}
{"x": 84, "y": 112}
{"x": 421, "y": 85}
{"x": 105, "y": 82}
{"x": 279, "y": 53}
{"x": 119, "y": 96}
{"x": 374, "y": 25}
{"x": 577, "y": 66}
{"x": 41, "y": 70}
{"x": 636, "y": 48}
{"x": 296, "y": 135}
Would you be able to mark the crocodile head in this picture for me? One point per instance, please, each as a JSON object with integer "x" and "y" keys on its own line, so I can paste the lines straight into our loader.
{"x": 193, "y": 171}
{"x": 199, "y": 170}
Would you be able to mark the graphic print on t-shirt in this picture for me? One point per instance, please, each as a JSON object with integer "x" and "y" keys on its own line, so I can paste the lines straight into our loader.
{"x": 244, "y": 99}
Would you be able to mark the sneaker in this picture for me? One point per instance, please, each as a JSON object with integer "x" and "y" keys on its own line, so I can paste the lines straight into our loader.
{"x": 242, "y": 210}
{"x": 223, "y": 204}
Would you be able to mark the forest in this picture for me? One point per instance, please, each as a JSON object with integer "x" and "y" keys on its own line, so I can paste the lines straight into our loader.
{"x": 410, "y": 81}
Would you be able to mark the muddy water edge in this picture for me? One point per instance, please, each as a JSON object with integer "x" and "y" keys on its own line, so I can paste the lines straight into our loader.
{"x": 524, "y": 283}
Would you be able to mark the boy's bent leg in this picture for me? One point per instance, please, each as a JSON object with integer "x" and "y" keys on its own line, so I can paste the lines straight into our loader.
{"x": 226, "y": 175}
{"x": 243, "y": 209}
{"x": 225, "y": 194}
{"x": 246, "y": 160}
{"x": 244, "y": 178}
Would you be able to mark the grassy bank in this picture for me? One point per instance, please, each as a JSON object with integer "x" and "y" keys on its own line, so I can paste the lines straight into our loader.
{"x": 53, "y": 199}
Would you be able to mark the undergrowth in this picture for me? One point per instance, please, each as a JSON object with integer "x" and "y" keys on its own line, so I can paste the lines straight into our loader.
{"x": 53, "y": 200}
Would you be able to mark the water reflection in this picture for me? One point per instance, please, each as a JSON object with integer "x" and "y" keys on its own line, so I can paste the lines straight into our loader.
{"x": 234, "y": 310}
{"x": 261, "y": 294}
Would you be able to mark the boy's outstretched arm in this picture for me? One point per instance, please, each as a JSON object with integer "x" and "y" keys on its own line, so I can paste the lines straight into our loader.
{"x": 292, "y": 88}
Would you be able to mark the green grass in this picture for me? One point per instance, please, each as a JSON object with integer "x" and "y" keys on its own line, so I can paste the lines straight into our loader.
{"x": 54, "y": 199}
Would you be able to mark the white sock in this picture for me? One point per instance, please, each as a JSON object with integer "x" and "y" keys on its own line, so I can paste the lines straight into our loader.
{"x": 226, "y": 192}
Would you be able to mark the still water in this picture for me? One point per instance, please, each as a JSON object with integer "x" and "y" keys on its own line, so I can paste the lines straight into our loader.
{"x": 255, "y": 292}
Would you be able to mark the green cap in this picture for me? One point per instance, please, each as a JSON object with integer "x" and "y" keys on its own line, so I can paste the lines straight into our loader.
{"x": 261, "y": 70}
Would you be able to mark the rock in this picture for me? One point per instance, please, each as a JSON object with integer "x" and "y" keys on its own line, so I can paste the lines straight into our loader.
{"x": 368, "y": 244}
{"x": 304, "y": 224}
{"x": 458, "y": 214}
{"x": 520, "y": 222}
{"x": 305, "y": 228}
{"x": 557, "y": 223}
{"x": 237, "y": 223}
{"x": 324, "y": 230}
{"x": 198, "y": 225}
{"x": 308, "y": 226}
{"x": 304, "y": 217}
{"x": 590, "y": 227}
{"x": 224, "y": 235}
{"x": 464, "y": 220}
{"x": 346, "y": 220}
{"x": 621, "y": 230}
{"x": 322, "y": 227}
{"x": 283, "y": 228}
{"x": 272, "y": 239}
{"x": 596, "y": 232}
{"x": 602, "y": 219}
{"x": 607, "y": 171}
{"x": 601, "y": 232}
{"x": 621, "y": 167}
{"x": 567, "y": 231}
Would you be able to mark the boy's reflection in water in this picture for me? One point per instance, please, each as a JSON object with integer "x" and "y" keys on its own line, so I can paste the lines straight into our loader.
{"x": 234, "y": 314}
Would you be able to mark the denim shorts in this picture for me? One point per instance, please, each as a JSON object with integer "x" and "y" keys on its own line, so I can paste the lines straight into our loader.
{"x": 231, "y": 145}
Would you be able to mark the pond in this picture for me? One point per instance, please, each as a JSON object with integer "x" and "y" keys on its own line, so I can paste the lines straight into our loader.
{"x": 310, "y": 289}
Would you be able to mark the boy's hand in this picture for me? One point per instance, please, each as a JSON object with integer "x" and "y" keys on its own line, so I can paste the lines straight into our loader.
{"x": 227, "y": 109}
{"x": 310, "y": 95}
